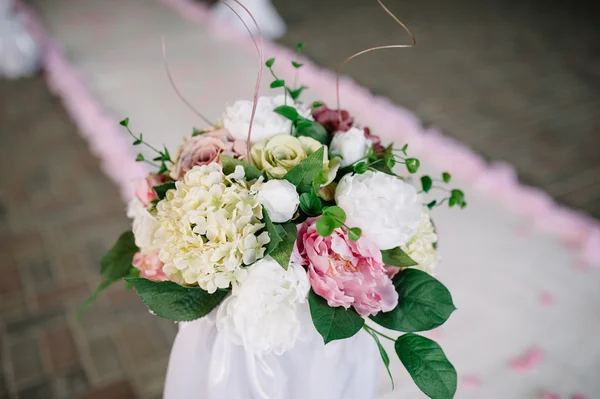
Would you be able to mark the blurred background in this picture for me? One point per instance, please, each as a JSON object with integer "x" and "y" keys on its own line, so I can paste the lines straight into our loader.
{"x": 516, "y": 81}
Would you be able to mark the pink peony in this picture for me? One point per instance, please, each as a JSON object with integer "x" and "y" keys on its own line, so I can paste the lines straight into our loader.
{"x": 150, "y": 266}
{"x": 144, "y": 191}
{"x": 330, "y": 119}
{"x": 346, "y": 273}
{"x": 206, "y": 148}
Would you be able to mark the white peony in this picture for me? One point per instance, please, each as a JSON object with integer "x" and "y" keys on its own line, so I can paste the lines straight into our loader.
{"x": 209, "y": 228}
{"x": 280, "y": 199}
{"x": 421, "y": 246}
{"x": 263, "y": 314}
{"x": 351, "y": 145}
{"x": 387, "y": 209}
{"x": 267, "y": 123}
{"x": 144, "y": 226}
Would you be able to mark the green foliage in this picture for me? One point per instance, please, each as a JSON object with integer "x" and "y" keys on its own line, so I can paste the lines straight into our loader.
{"x": 383, "y": 353}
{"x": 310, "y": 203}
{"x": 423, "y": 303}
{"x": 296, "y": 65}
{"x": 305, "y": 127}
{"x": 333, "y": 323}
{"x": 277, "y": 83}
{"x": 269, "y": 63}
{"x": 427, "y": 365}
{"x": 296, "y": 92}
{"x": 139, "y": 141}
{"x": 229, "y": 165}
{"x": 275, "y": 231}
{"x": 426, "y": 183}
{"x": 335, "y": 212}
{"x": 432, "y": 204}
{"x": 175, "y": 302}
{"x": 457, "y": 197}
{"x": 303, "y": 174}
{"x": 354, "y": 233}
{"x": 446, "y": 177}
{"x": 333, "y": 217}
{"x": 283, "y": 252}
{"x": 404, "y": 149}
{"x": 361, "y": 167}
{"x": 161, "y": 189}
{"x": 317, "y": 104}
{"x": 397, "y": 257}
{"x": 412, "y": 164}
{"x": 140, "y": 158}
{"x": 326, "y": 225}
{"x": 124, "y": 122}
{"x": 287, "y": 112}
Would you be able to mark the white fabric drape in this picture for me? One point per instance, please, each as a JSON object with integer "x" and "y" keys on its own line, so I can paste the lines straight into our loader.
{"x": 19, "y": 55}
{"x": 206, "y": 364}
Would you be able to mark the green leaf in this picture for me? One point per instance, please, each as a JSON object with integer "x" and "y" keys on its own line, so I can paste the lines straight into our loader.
{"x": 446, "y": 177}
{"x": 166, "y": 155}
{"x": 303, "y": 174}
{"x": 277, "y": 83}
{"x": 336, "y": 213}
{"x": 354, "y": 233}
{"x": 457, "y": 197}
{"x": 423, "y": 303}
{"x": 162, "y": 169}
{"x": 276, "y": 232}
{"x": 426, "y": 183}
{"x": 269, "y": 63}
{"x": 283, "y": 251}
{"x": 397, "y": 257}
{"x": 229, "y": 164}
{"x": 287, "y": 112}
{"x": 412, "y": 164}
{"x": 310, "y": 203}
{"x": 384, "y": 356}
{"x": 333, "y": 323}
{"x": 312, "y": 129}
{"x": 140, "y": 158}
{"x": 296, "y": 93}
{"x": 427, "y": 365}
{"x": 431, "y": 204}
{"x": 161, "y": 189}
{"x": 139, "y": 141}
{"x": 101, "y": 287}
{"x": 300, "y": 46}
{"x": 317, "y": 104}
{"x": 175, "y": 302}
{"x": 124, "y": 122}
{"x": 361, "y": 167}
{"x": 296, "y": 65}
{"x": 325, "y": 226}
{"x": 390, "y": 162}
{"x": 117, "y": 261}
{"x": 197, "y": 132}
{"x": 404, "y": 148}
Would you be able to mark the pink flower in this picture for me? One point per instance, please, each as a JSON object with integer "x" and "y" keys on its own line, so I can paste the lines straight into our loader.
{"x": 206, "y": 148}
{"x": 330, "y": 119}
{"x": 144, "y": 191}
{"x": 150, "y": 266}
{"x": 346, "y": 273}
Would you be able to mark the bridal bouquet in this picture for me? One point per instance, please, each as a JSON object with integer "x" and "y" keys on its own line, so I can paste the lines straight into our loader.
{"x": 311, "y": 210}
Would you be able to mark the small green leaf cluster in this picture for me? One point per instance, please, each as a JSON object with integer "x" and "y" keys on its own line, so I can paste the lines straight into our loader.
{"x": 303, "y": 126}
{"x": 162, "y": 156}
{"x": 334, "y": 217}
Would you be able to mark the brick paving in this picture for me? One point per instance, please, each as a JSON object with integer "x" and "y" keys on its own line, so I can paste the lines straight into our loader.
{"x": 58, "y": 215}
{"x": 517, "y": 81}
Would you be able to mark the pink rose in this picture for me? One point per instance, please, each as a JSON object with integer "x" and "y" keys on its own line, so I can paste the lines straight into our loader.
{"x": 206, "y": 148}
{"x": 144, "y": 191}
{"x": 150, "y": 266}
{"x": 346, "y": 273}
{"x": 330, "y": 119}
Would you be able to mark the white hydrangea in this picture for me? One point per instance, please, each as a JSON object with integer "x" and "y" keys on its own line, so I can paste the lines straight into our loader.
{"x": 144, "y": 226}
{"x": 351, "y": 145}
{"x": 280, "y": 199}
{"x": 208, "y": 229}
{"x": 267, "y": 123}
{"x": 263, "y": 314}
{"x": 421, "y": 246}
{"x": 387, "y": 209}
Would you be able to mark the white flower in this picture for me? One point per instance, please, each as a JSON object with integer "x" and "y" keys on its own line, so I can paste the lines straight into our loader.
{"x": 263, "y": 314}
{"x": 421, "y": 246}
{"x": 267, "y": 123}
{"x": 387, "y": 209}
{"x": 144, "y": 226}
{"x": 280, "y": 199}
{"x": 351, "y": 145}
{"x": 209, "y": 228}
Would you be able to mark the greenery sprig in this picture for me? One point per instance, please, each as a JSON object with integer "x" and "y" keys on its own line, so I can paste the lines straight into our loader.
{"x": 163, "y": 156}
{"x": 334, "y": 217}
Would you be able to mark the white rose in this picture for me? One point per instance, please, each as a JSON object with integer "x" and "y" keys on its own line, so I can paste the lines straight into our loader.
{"x": 280, "y": 199}
{"x": 267, "y": 123}
{"x": 351, "y": 145}
{"x": 421, "y": 246}
{"x": 263, "y": 313}
{"x": 144, "y": 226}
{"x": 387, "y": 209}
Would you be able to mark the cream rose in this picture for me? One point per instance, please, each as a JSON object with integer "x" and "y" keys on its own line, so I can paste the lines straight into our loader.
{"x": 280, "y": 199}
{"x": 352, "y": 146}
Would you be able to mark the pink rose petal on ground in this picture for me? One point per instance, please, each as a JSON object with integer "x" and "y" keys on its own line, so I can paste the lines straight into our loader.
{"x": 546, "y": 299}
{"x": 470, "y": 381}
{"x": 530, "y": 359}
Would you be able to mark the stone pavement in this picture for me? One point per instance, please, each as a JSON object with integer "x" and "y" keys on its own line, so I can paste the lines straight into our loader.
{"x": 517, "y": 81}
{"x": 58, "y": 215}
